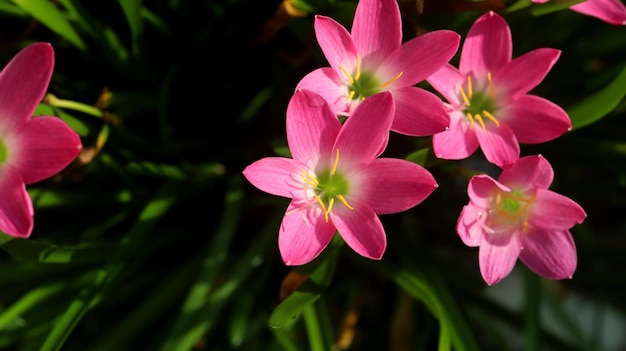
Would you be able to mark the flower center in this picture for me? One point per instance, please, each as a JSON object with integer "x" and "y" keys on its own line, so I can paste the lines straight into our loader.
{"x": 364, "y": 84}
{"x": 510, "y": 207}
{"x": 479, "y": 104}
{"x": 327, "y": 186}
{"x": 3, "y": 152}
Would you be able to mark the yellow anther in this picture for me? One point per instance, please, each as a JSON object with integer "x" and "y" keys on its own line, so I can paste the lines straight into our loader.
{"x": 334, "y": 169}
{"x": 491, "y": 90}
{"x": 471, "y": 119}
{"x": 351, "y": 95}
{"x": 467, "y": 102}
{"x": 331, "y": 202}
{"x": 491, "y": 117}
{"x": 309, "y": 179}
{"x": 319, "y": 201}
{"x": 357, "y": 74}
{"x": 391, "y": 80}
{"x": 480, "y": 121}
{"x": 347, "y": 74}
{"x": 469, "y": 87}
{"x": 343, "y": 200}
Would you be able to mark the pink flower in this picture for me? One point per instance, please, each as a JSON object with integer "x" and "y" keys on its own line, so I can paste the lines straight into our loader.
{"x": 609, "y": 11}
{"x": 31, "y": 149}
{"x": 517, "y": 216}
{"x": 335, "y": 180}
{"x": 372, "y": 59}
{"x": 488, "y": 98}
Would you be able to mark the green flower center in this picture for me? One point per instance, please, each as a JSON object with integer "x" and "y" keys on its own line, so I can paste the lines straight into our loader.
{"x": 3, "y": 152}
{"x": 328, "y": 186}
{"x": 479, "y": 105}
{"x": 511, "y": 206}
{"x": 364, "y": 84}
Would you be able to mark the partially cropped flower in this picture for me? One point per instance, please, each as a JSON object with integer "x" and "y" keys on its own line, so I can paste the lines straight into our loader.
{"x": 488, "y": 98}
{"x": 335, "y": 180}
{"x": 31, "y": 149}
{"x": 609, "y": 11}
{"x": 517, "y": 216}
{"x": 372, "y": 59}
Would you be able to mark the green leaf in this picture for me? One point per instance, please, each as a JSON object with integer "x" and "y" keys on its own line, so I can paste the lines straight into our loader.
{"x": 132, "y": 11}
{"x": 419, "y": 156}
{"x": 552, "y": 6}
{"x": 49, "y": 15}
{"x": 599, "y": 104}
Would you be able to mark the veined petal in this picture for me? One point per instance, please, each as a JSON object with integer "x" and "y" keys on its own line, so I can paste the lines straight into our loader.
{"x": 272, "y": 175}
{"x": 550, "y": 254}
{"x": 418, "y": 112}
{"x": 311, "y": 126}
{"x": 422, "y": 56}
{"x": 361, "y": 229}
{"x": 487, "y": 47}
{"x": 23, "y": 83}
{"x": 16, "y": 208}
{"x": 303, "y": 235}
{"x": 42, "y": 148}
{"x": 447, "y": 81}
{"x": 481, "y": 188}
{"x": 377, "y": 29}
{"x": 363, "y": 133}
{"x": 328, "y": 84}
{"x": 609, "y": 11}
{"x": 395, "y": 185}
{"x": 499, "y": 144}
{"x": 525, "y": 72}
{"x": 528, "y": 173}
{"x": 536, "y": 120}
{"x": 336, "y": 43}
{"x": 497, "y": 255}
{"x": 553, "y": 211}
{"x": 469, "y": 225}
{"x": 456, "y": 143}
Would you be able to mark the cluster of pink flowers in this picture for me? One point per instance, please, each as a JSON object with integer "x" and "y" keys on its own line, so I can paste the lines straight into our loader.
{"x": 337, "y": 181}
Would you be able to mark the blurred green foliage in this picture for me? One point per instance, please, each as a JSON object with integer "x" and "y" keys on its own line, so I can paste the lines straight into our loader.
{"x": 152, "y": 240}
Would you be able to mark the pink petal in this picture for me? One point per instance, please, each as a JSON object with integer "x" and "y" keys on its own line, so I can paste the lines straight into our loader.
{"x": 422, "y": 56}
{"x": 553, "y": 211}
{"x": 609, "y": 11}
{"x": 488, "y": 45}
{"x": 376, "y": 29}
{"x": 469, "y": 226}
{"x": 395, "y": 185}
{"x": 525, "y": 72}
{"x": 497, "y": 256}
{"x": 536, "y": 120}
{"x": 418, "y": 112}
{"x": 499, "y": 144}
{"x": 447, "y": 81}
{"x": 456, "y": 143}
{"x": 540, "y": 1}
{"x": 23, "y": 83}
{"x": 272, "y": 175}
{"x": 528, "y": 174}
{"x": 481, "y": 188}
{"x": 366, "y": 130}
{"x": 327, "y": 83}
{"x": 303, "y": 235}
{"x": 550, "y": 254}
{"x": 336, "y": 43}
{"x": 361, "y": 229}
{"x": 311, "y": 126}
{"x": 16, "y": 209}
{"x": 43, "y": 147}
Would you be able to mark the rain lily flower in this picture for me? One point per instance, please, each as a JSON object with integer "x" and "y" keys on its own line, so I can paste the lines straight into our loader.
{"x": 372, "y": 59}
{"x": 488, "y": 98}
{"x": 609, "y": 11}
{"x": 517, "y": 216}
{"x": 31, "y": 149}
{"x": 335, "y": 180}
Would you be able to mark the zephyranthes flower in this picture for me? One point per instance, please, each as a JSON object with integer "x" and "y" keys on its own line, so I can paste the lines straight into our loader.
{"x": 372, "y": 59}
{"x": 31, "y": 149}
{"x": 609, "y": 11}
{"x": 335, "y": 180}
{"x": 517, "y": 216}
{"x": 488, "y": 98}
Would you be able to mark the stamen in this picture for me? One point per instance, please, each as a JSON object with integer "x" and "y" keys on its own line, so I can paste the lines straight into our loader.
{"x": 358, "y": 67}
{"x": 480, "y": 121}
{"x": 391, "y": 80}
{"x": 351, "y": 95}
{"x": 309, "y": 179}
{"x": 347, "y": 74}
{"x": 334, "y": 169}
{"x": 471, "y": 119}
{"x": 319, "y": 201}
{"x": 491, "y": 117}
{"x": 469, "y": 86}
{"x": 331, "y": 202}
{"x": 491, "y": 90}
{"x": 467, "y": 102}
{"x": 343, "y": 200}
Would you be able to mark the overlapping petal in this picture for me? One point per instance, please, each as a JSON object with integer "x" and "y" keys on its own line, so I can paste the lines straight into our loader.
{"x": 499, "y": 144}
{"x": 482, "y": 188}
{"x": 534, "y": 119}
{"x": 418, "y": 112}
{"x": 488, "y": 46}
{"x": 329, "y": 85}
{"x": 16, "y": 209}
{"x": 336, "y": 43}
{"x": 528, "y": 174}
{"x": 550, "y": 254}
{"x": 377, "y": 29}
{"x": 456, "y": 143}
{"x": 361, "y": 229}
